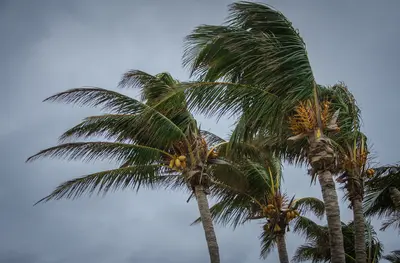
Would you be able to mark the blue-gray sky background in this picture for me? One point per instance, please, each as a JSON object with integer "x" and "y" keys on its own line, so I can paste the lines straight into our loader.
{"x": 50, "y": 46}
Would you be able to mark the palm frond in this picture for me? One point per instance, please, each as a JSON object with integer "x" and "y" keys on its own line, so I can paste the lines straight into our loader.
{"x": 310, "y": 204}
{"x": 391, "y": 221}
{"x": 310, "y": 252}
{"x": 95, "y": 97}
{"x": 211, "y": 138}
{"x": 134, "y": 177}
{"x": 378, "y": 200}
{"x": 152, "y": 88}
{"x": 257, "y": 40}
{"x": 317, "y": 247}
{"x": 156, "y": 131}
{"x": 89, "y": 151}
{"x": 232, "y": 211}
{"x": 393, "y": 257}
{"x": 309, "y": 229}
{"x": 121, "y": 104}
{"x": 268, "y": 243}
{"x": 257, "y": 46}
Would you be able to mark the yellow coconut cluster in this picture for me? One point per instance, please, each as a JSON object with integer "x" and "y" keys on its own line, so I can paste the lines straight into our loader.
{"x": 178, "y": 162}
{"x": 291, "y": 214}
{"x": 370, "y": 172}
{"x": 269, "y": 209}
{"x": 304, "y": 119}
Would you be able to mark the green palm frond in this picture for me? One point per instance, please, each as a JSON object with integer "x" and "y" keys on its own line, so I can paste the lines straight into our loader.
{"x": 391, "y": 221}
{"x": 211, "y": 138}
{"x": 232, "y": 211}
{"x": 393, "y": 257}
{"x": 258, "y": 46}
{"x": 308, "y": 228}
{"x": 257, "y": 40}
{"x": 150, "y": 176}
{"x": 156, "y": 132}
{"x": 268, "y": 243}
{"x": 226, "y": 98}
{"x": 144, "y": 115}
{"x": 317, "y": 249}
{"x": 310, "y": 252}
{"x": 341, "y": 98}
{"x": 88, "y": 151}
{"x": 239, "y": 189}
{"x": 96, "y": 97}
{"x": 378, "y": 200}
{"x": 310, "y": 204}
{"x": 152, "y": 88}
{"x": 163, "y": 93}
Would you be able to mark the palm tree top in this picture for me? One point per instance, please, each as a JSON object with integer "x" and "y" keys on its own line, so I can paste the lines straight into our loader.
{"x": 152, "y": 140}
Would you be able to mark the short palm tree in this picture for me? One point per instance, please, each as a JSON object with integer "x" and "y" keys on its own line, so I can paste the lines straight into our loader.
{"x": 269, "y": 81}
{"x": 383, "y": 196}
{"x": 259, "y": 196}
{"x": 393, "y": 257}
{"x": 316, "y": 248}
{"x": 156, "y": 142}
{"x": 353, "y": 158}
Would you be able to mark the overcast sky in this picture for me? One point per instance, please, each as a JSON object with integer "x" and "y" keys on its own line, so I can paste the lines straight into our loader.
{"x": 50, "y": 46}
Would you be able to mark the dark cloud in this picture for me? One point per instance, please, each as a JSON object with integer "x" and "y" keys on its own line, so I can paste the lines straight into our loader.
{"x": 50, "y": 46}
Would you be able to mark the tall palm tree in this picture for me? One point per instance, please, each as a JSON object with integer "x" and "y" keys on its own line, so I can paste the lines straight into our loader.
{"x": 259, "y": 196}
{"x": 383, "y": 196}
{"x": 155, "y": 141}
{"x": 353, "y": 158}
{"x": 393, "y": 257}
{"x": 268, "y": 79}
{"x": 316, "y": 248}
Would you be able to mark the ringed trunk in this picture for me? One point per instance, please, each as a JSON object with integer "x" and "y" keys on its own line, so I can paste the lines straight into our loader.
{"x": 282, "y": 251}
{"x": 359, "y": 229}
{"x": 333, "y": 216}
{"x": 207, "y": 223}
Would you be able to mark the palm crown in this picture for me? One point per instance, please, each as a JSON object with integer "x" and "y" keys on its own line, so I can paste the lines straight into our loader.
{"x": 155, "y": 141}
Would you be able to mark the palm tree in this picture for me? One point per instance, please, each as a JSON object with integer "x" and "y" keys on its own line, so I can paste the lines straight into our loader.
{"x": 259, "y": 197}
{"x": 155, "y": 141}
{"x": 383, "y": 196}
{"x": 268, "y": 79}
{"x": 353, "y": 158}
{"x": 393, "y": 257}
{"x": 316, "y": 249}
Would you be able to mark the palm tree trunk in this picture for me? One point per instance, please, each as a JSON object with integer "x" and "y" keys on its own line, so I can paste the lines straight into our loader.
{"x": 207, "y": 222}
{"x": 333, "y": 216}
{"x": 282, "y": 251}
{"x": 395, "y": 196}
{"x": 322, "y": 158}
{"x": 359, "y": 229}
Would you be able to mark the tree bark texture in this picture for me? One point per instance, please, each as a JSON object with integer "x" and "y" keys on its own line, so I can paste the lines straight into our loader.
{"x": 282, "y": 251}
{"x": 207, "y": 222}
{"x": 333, "y": 216}
{"x": 359, "y": 229}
